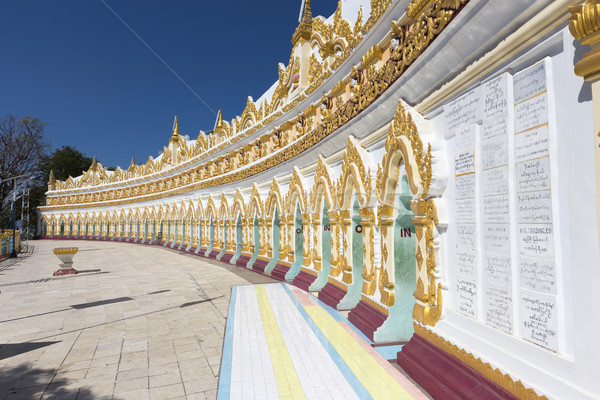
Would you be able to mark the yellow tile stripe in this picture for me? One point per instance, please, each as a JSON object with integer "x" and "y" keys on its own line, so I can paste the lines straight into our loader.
{"x": 378, "y": 382}
{"x": 288, "y": 383}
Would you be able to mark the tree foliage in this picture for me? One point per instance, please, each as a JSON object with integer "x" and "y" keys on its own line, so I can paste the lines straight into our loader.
{"x": 66, "y": 161}
{"x": 24, "y": 150}
{"x": 22, "y": 146}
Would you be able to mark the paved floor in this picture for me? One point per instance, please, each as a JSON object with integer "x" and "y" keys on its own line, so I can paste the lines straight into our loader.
{"x": 282, "y": 343}
{"x": 138, "y": 322}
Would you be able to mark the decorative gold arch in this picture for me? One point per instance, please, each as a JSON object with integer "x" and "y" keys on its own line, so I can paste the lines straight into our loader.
{"x": 211, "y": 208}
{"x": 255, "y": 204}
{"x": 322, "y": 187}
{"x": 355, "y": 175}
{"x": 404, "y": 145}
{"x": 297, "y": 193}
{"x": 224, "y": 208}
{"x": 238, "y": 205}
{"x": 274, "y": 199}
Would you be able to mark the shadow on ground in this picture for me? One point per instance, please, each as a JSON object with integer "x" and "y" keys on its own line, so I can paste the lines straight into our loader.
{"x": 24, "y": 382}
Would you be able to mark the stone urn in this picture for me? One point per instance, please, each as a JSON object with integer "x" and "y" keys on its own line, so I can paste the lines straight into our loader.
{"x": 65, "y": 254}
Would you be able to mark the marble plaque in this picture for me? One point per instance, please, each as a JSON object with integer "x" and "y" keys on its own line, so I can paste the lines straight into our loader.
{"x": 465, "y": 137}
{"x": 498, "y": 307}
{"x": 495, "y": 181}
{"x": 466, "y": 297}
{"x": 538, "y": 275}
{"x": 466, "y": 263}
{"x": 464, "y": 163}
{"x": 495, "y": 96}
{"x": 531, "y": 113}
{"x": 494, "y": 144}
{"x": 463, "y": 110}
{"x": 497, "y": 268}
{"x": 497, "y": 238}
{"x": 535, "y": 207}
{"x": 531, "y": 144}
{"x": 536, "y": 240}
{"x": 465, "y": 210}
{"x": 465, "y": 237}
{"x": 465, "y": 186}
{"x": 529, "y": 82}
{"x": 533, "y": 175}
{"x": 538, "y": 316}
{"x": 496, "y": 209}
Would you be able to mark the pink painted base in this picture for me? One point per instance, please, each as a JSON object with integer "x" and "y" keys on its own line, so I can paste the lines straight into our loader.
{"x": 445, "y": 377}
{"x": 242, "y": 261}
{"x": 259, "y": 266}
{"x": 279, "y": 272}
{"x": 366, "y": 318}
{"x": 331, "y": 295}
{"x": 303, "y": 280}
{"x": 65, "y": 271}
{"x": 226, "y": 257}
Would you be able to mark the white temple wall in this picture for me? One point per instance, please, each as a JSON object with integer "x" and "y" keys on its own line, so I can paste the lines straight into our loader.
{"x": 505, "y": 301}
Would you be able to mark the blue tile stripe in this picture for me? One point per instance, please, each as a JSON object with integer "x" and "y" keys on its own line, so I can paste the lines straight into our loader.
{"x": 224, "y": 388}
{"x": 358, "y": 387}
{"x": 389, "y": 352}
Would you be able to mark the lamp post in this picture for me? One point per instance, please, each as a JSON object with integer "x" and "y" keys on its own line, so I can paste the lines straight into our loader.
{"x": 13, "y": 253}
{"x": 13, "y": 206}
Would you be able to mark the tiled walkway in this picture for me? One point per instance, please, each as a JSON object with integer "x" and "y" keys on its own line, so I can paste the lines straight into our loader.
{"x": 138, "y": 322}
{"x": 282, "y": 343}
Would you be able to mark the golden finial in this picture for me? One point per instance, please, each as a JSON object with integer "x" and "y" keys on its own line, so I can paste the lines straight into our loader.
{"x": 132, "y": 165}
{"x": 219, "y": 125}
{"x": 52, "y": 180}
{"x": 94, "y": 164}
{"x": 304, "y": 29}
{"x": 175, "y": 128}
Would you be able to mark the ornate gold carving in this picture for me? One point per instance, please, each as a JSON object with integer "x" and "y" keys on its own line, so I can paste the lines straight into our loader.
{"x": 585, "y": 26}
{"x": 412, "y": 44}
{"x": 585, "y": 21}
{"x": 493, "y": 374}
{"x": 353, "y": 160}
{"x": 372, "y": 55}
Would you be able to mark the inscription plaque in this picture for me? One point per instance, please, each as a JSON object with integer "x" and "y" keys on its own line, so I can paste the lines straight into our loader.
{"x": 529, "y": 82}
{"x": 536, "y": 240}
{"x": 535, "y": 207}
{"x": 466, "y": 297}
{"x": 499, "y": 307}
{"x": 538, "y": 275}
{"x": 465, "y": 186}
{"x": 538, "y": 314}
{"x": 464, "y": 163}
{"x": 531, "y": 144}
{"x": 533, "y": 175}
{"x": 531, "y": 113}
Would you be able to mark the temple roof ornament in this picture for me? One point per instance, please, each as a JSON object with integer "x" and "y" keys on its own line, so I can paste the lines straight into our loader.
{"x": 175, "y": 129}
{"x": 304, "y": 29}
{"x": 52, "y": 179}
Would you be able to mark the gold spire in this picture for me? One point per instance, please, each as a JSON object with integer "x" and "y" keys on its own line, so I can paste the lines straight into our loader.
{"x": 219, "y": 125}
{"x": 52, "y": 180}
{"x": 94, "y": 164}
{"x": 175, "y": 128}
{"x": 132, "y": 165}
{"x": 304, "y": 29}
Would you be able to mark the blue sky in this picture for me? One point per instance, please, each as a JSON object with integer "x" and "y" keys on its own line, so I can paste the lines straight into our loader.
{"x": 73, "y": 64}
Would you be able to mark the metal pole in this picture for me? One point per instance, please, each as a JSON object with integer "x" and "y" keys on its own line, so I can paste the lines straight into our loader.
{"x": 13, "y": 254}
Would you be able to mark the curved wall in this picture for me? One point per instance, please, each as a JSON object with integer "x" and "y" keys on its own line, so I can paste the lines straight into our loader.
{"x": 403, "y": 175}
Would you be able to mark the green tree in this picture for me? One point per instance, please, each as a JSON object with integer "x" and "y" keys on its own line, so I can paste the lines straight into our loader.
{"x": 66, "y": 161}
{"x": 22, "y": 147}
